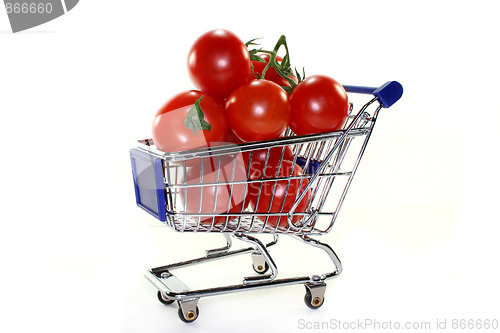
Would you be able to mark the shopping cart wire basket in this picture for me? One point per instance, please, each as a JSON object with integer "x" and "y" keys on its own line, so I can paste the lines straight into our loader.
{"x": 209, "y": 190}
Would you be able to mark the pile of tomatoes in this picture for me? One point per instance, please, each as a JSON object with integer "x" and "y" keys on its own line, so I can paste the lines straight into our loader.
{"x": 246, "y": 95}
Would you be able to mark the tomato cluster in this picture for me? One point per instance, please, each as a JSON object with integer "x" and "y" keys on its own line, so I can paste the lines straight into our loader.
{"x": 246, "y": 96}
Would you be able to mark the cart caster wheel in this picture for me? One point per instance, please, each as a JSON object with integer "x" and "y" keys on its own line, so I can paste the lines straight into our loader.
{"x": 260, "y": 269}
{"x": 163, "y": 299}
{"x": 313, "y": 303}
{"x": 190, "y": 315}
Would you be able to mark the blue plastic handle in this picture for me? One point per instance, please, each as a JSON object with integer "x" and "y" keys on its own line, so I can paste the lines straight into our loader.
{"x": 388, "y": 93}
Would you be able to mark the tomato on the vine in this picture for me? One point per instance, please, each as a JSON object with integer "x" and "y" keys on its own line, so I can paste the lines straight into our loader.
{"x": 271, "y": 73}
{"x": 319, "y": 104}
{"x": 171, "y": 124}
{"x": 218, "y": 63}
{"x": 258, "y": 110}
{"x": 280, "y": 195}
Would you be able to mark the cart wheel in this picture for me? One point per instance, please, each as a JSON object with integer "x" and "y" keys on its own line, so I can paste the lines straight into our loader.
{"x": 163, "y": 299}
{"x": 260, "y": 269}
{"x": 191, "y": 315}
{"x": 315, "y": 303}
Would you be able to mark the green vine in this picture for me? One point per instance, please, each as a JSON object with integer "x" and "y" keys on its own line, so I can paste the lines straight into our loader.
{"x": 283, "y": 69}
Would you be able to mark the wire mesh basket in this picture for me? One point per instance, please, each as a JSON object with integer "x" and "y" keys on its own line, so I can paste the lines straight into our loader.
{"x": 293, "y": 185}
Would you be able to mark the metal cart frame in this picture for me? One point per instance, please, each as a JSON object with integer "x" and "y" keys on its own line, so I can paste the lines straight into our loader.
{"x": 160, "y": 184}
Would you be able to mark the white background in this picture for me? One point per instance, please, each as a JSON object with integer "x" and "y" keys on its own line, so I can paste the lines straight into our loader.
{"x": 418, "y": 233}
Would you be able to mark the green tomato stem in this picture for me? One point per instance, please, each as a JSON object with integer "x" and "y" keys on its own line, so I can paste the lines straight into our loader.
{"x": 284, "y": 70}
{"x": 195, "y": 119}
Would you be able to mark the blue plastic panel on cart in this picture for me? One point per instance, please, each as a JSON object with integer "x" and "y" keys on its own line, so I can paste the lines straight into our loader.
{"x": 312, "y": 165}
{"x": 148, "y": 182}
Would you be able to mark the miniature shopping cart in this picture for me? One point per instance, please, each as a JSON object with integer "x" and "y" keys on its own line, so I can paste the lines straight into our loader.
{"x": 328, "y": 162}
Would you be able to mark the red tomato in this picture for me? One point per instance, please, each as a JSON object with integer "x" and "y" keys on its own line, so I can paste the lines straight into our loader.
{"x": 273, "y": 157}
{"x": 279, "y": 196}
{"x": 215, "y": 199}
{"x": 259, "y": 156}
{"x": 218, "y": 63}
{"x": 271, "y": 73}
{"x": 258, "y": 110}
{"x": 232, "y": 138}
{"x": 319, "y": 104}
{"x": 170, "y": 133}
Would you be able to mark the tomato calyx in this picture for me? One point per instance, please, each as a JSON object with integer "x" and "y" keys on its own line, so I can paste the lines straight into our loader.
{"x": 195, "y": 119}
{"x": 284, "y": 68}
